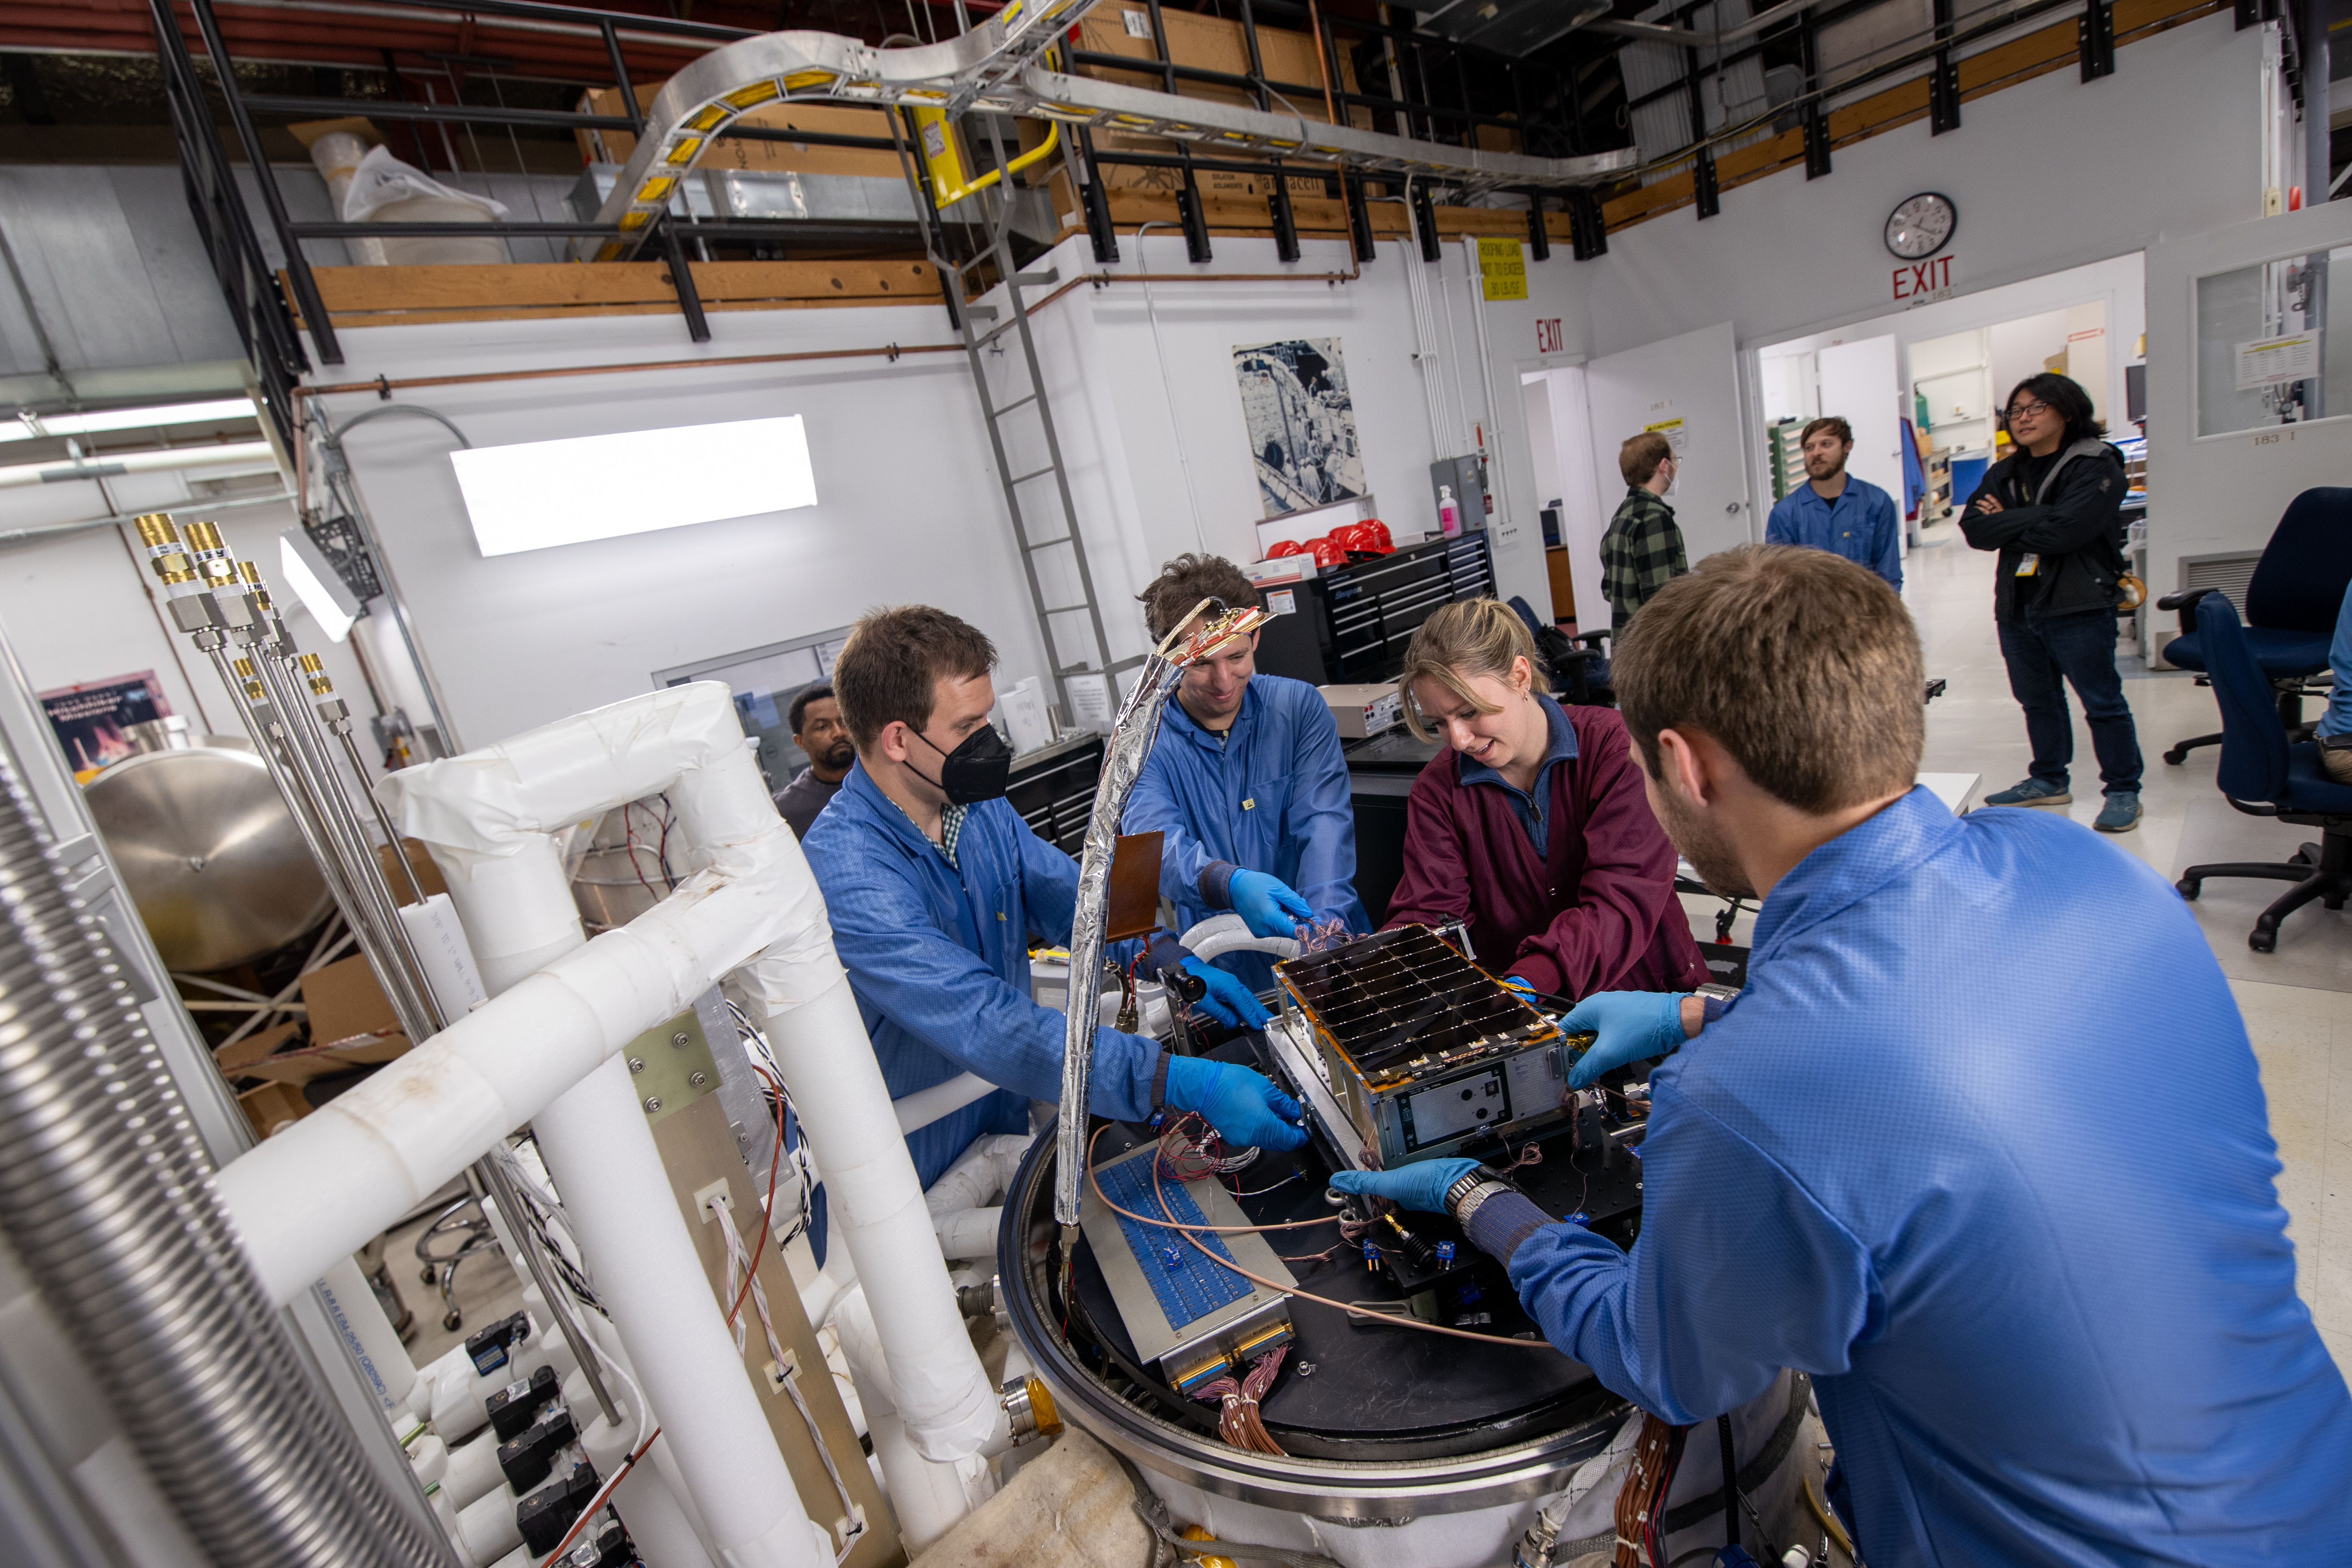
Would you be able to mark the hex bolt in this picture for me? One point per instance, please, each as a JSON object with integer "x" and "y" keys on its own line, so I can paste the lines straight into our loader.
{"x": 636, "y": 1064}
{"x": 653, "y": 1102}
{"x": 697, "y": 1079}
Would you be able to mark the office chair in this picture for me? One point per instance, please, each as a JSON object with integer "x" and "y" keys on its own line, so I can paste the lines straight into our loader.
{"x": 2263, "y": 774}
{"x": 1580, "y": 674}
{"x": 2291, "y": 604}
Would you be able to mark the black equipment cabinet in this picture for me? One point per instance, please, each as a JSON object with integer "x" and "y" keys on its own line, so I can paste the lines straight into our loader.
{"x": 1053, "y": 788}
{"x": 1349, "y": 625}
{"x": 1381, "y": 771}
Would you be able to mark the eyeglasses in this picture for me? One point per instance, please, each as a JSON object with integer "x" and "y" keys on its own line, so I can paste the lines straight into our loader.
{"x": 2027, "y": 410}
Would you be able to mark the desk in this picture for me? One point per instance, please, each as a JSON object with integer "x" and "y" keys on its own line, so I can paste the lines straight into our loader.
{"x": 1957, "y": 791}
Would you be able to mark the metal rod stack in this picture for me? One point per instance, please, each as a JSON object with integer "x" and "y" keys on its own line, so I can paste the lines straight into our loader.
{"x": 303, "y": 732}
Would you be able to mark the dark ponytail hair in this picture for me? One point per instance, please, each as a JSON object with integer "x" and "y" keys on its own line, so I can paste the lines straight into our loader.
{"x": 2066, "y": 399}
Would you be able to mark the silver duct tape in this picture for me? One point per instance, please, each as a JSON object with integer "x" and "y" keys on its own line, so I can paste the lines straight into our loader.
{"x": 1131, "y": 734}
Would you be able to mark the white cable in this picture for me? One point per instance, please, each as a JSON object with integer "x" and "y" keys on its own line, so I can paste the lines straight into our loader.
{"x": 1175, "y": 427}
{"x": 739, "y": 1268}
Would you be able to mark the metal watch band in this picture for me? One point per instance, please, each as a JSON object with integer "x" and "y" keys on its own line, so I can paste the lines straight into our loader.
{"x": 1476, "y": 1198}
{"x": 1461, "y": 1189}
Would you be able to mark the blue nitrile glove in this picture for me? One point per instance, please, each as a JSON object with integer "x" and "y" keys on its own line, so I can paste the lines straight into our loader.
{"x": 1421, "y": 1187}
{"x": 1247, "y": 1110}
{"x": 1267, "y": 904}
{"x": 1228, "y": 1001}
{"x": 1632, "y": 1025}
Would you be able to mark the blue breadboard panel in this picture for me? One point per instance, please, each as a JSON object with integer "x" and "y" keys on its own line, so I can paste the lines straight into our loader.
{"x": 1188, "y": 1286}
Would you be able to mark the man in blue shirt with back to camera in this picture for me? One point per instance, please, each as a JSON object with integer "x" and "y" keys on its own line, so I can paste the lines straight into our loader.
{"x": 1833, "y": 510}
{"x": 935, "y": 886}
{"x": 2011, "y": 1205}
{"x": 1247, "y": 781}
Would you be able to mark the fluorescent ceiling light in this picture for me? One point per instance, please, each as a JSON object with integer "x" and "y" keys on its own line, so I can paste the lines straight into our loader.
{"x": 317, "y": 583}
{"x": 33, "y": 425}
{"x": 543, "y": 493}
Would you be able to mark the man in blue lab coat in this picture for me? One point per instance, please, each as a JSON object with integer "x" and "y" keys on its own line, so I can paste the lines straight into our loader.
{"x": 1835, "y": 512}
{"x": 2012, "y": 1203}
{"x": 1247, "y": 781}
{"x": 935, "y": 886}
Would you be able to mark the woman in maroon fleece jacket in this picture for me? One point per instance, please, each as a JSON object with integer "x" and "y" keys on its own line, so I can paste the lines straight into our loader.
{"x": 1534, "y": 825}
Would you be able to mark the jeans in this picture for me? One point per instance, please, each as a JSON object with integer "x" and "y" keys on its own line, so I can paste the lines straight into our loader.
{"x": 2080, "y": 647}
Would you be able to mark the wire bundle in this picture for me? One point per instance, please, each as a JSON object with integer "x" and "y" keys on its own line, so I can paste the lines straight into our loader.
{"x": 1237, "y": 1420}
{"x": 1315, "y": 936}
{"x": 544, "y": 1217}
{"x": 1184, "y": 1158}
{"x": 1642, "y": 1501}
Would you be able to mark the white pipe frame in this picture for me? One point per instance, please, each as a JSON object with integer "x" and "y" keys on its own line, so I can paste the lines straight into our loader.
{"x": 545, "y": 1049}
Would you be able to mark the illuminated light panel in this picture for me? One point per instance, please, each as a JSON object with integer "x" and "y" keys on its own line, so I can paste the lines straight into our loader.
{"x": 545, "y": 493}
{"x": 306, "y": 569}
{"x": 133, "y": 418}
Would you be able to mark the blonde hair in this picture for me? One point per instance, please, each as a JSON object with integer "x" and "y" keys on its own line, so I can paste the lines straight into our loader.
{"x": 1460, "y": 642}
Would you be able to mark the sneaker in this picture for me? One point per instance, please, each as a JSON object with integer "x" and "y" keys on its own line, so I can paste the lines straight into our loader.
{"x": 2120, "y": 814}
{"x": 2030, "y": 792}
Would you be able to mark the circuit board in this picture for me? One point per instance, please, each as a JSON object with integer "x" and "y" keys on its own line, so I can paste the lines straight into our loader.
{"x": 1419, "y": 1050}
{"x": 1180, "y": 1307}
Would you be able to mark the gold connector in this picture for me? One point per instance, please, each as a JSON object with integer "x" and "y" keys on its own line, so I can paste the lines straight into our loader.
{"x": 249, "y": 571}
{"x": 244, "y": 668}
{"x": 155, "y": 529}
{"x": 203, "y": 537}
{"x": 321, "y": 684}
{"x": 173, "y": 566}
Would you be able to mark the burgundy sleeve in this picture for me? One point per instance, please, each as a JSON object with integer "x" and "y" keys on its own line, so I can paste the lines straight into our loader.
{"x": 1436, "y": 886}
{"x": 1628, "y": 884}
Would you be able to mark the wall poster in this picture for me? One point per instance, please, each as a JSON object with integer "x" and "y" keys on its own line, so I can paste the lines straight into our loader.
{"x": 1301, "y": 424}
{"x": 90, "y": 719}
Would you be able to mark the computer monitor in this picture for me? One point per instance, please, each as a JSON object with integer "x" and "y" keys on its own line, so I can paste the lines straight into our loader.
{"x": 765, "y": 681}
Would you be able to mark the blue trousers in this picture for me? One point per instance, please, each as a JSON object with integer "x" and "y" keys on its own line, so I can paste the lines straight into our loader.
{"x": 2044, "y": 657}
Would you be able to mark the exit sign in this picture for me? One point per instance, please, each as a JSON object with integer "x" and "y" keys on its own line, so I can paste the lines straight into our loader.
{"x": 1548, "y": 335}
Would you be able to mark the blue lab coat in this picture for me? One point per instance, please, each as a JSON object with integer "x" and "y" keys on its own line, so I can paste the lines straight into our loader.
{"x": 939, "y": 956}
{"x": 1981, "y": 1147}
{"x": 1272, "y": 798}
{"x": 1860, "y": 525}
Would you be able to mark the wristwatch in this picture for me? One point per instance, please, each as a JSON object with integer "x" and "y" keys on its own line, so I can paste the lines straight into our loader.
{"x": 1468, "y": 1195}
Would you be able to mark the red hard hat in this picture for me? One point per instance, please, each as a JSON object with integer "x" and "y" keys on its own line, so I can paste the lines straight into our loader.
{"x": 1287, "y": 547}
{"x": 1376, "y": 536}
{"x": 1328, "y": 552}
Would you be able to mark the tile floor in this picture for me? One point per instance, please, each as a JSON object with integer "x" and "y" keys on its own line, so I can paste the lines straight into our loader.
{"x": 2293, "y": 1000}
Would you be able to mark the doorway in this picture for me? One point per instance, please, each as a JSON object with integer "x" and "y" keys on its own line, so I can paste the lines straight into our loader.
{"x": 1928, "y": 381}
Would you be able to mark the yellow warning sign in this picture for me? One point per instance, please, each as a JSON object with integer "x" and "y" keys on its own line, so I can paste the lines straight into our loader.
{"x": 1502, "y": 269}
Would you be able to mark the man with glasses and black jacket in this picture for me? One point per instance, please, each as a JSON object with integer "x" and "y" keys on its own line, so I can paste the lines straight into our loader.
{"x": 2051, "y": 510}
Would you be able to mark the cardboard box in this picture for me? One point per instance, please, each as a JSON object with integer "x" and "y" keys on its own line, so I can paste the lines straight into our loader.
{"x": 345, "y": 1002}
{"x": 273, "y": 1107}
{"x": 736, "y": 153}
{"x": 1208, "y": 43}
{"x": 1361, "y": 710}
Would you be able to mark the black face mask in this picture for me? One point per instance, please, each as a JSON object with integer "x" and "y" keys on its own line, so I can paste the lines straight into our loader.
{"x": 975, "y": 771}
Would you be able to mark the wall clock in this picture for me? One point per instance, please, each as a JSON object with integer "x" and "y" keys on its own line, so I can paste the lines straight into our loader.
{"x": 1921, "y": 226}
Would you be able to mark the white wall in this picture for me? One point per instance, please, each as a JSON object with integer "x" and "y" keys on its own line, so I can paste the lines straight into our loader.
{"x": 908, "y": 505}
{"x": 2050, "y": 174}
{"x": 76, "y": 608}
{"x": 2022, "y": 347}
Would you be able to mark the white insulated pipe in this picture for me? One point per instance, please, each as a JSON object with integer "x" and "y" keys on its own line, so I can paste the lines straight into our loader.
{"x": 929, "y": 1498}
{"x": 259, "y": 454}
{"x": 925, "y": 1106}
{"x": 560, "y": 1010}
